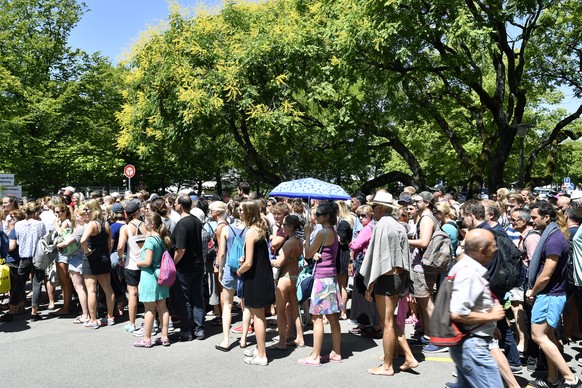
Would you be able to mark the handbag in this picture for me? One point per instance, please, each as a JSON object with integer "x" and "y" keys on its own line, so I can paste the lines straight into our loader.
{"x": 4, "y": 277}
{"x": 73, "y": 246}
{"x": 307, "y": 277}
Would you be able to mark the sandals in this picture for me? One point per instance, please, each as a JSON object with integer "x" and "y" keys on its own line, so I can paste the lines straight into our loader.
{"x": 328, "y": 358}
{"x": 80, "y": 320}
{"x": 308, "y": 362}
{"x": 162, "y": 341}
{"x": 143, "y": 344}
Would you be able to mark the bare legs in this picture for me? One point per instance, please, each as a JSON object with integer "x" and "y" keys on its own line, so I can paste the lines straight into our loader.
{"x": 150, "y": 314}
{"x": 343, "y": 283}
{"x": 105, "y": 283}
{"x": 79, "y": 285}
{"x": 522, "y": 331}
{"x": 132, "y": 302}
{"x": 392, "y": 334}
{"x": 543, "y": 335}
{"x": 63, "y": 275}
{"x": 285, "y": 293}
{"x": 426, "y": 306}
{"x": 260, "y": 331}
{"x": 226, "y": 297}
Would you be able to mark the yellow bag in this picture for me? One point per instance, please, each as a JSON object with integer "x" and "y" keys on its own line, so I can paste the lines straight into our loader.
{"x": 4, "y": 277}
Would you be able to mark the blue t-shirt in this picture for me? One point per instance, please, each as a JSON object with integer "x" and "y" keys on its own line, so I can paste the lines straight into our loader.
{"x": 556, "y": 244}
{"x": 12, "y": 256}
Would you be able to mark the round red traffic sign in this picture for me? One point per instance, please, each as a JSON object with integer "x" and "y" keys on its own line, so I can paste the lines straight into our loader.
{"x": 129, "y": 171}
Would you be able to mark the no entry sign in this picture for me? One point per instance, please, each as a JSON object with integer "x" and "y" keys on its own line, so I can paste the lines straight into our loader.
{"x": 129, "y": 171}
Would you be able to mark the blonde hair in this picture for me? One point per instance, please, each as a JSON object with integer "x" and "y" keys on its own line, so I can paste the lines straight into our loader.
{"x": 251, "y": 216}
{"x": 95, "y": 208}
{"x": 367, "y": 209}
{"x": 156, "y": 221}
{"x": 443, "y": 208}
{"x": 344, "y": 213}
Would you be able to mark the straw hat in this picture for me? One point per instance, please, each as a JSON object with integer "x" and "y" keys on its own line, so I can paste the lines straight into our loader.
{"x": 383, "y": 198}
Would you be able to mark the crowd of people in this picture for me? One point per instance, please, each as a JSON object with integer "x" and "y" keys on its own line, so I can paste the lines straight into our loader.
{"x": 367, "y": 260}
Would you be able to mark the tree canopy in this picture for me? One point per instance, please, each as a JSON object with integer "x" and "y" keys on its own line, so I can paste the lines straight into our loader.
{"x": 363, "y": 93}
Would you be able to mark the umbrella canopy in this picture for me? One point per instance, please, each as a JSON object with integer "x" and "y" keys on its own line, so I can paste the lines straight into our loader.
{"x": 309, "y": 188}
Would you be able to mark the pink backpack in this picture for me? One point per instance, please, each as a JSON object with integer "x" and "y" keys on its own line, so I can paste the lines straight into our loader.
{"x": 167, "y": 275}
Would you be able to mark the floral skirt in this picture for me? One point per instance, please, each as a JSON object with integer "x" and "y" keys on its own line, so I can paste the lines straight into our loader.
{"x": 325, "y": 297}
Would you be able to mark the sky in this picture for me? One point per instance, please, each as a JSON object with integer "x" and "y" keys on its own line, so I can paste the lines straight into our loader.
{"x": 110, "y": 26}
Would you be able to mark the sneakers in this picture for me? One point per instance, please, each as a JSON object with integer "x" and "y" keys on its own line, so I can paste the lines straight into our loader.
{"x": 515, "y": 369}
{"x": 129, "y": 328}
{"x": 425, "y": 340}
{"x": 92, "y": 325}
{"x": 251, "y": 352}
{"x": 239, "y": 329}
{"x": 574, "y": 383}
{"x": 105, "y": 321}
{"x": 430, "y": 348}
{"x": 541, "y": 383}
{"x": 139, "y": 332}
{"x": 171, "y": 326}
{"x": 255, "y": 360}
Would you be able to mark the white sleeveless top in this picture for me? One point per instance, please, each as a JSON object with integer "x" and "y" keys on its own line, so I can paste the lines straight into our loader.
{"x": 133, "y": 250}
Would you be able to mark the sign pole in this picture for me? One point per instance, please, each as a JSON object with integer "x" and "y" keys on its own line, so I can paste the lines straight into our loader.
{"x": 129, "y": 184}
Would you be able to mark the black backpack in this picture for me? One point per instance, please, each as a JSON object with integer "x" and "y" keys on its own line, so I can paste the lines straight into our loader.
{"x": 505, "y": 273}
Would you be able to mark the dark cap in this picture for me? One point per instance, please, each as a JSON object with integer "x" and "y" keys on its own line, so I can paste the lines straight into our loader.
{"x": 405, "y": 199}
{"x": 132, "y": 206}
{"x": 117, "y": 208}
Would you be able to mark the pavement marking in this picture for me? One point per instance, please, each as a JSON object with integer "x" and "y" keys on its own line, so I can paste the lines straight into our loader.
{"x": 438, "y": 359}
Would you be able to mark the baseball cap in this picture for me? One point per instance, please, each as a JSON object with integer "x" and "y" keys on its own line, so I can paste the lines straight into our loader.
{"x": 423, "y": 196}
{"x": 117, "y": 208}
{"x": 132, "y": 206}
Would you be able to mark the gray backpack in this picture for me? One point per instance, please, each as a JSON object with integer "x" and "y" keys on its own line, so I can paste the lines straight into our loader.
{"x": 46, "y": 250}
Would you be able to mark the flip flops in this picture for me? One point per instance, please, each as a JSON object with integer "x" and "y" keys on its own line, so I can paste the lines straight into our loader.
{"x": 327, "y": 358}
{"x": 221, "y": 348}
{"x": 308, "y": 362}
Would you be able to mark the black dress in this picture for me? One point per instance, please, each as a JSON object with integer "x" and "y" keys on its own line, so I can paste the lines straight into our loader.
{"x": 259, "y": 286}
{"x": 99, "y": 260}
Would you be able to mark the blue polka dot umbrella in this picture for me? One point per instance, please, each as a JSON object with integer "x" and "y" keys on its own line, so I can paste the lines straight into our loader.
{"x": 309, "y": 188}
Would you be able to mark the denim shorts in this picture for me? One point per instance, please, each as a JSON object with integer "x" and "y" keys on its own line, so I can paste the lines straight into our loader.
{"x": 229, "y": 278}
{"x": 475, "y": 366}
{"x": 548, "y": 308}
{"x": 62, "y": 258}
{"x": 76, "y": 263}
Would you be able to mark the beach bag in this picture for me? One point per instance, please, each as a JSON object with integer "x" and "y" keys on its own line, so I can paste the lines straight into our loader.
{"x": 438, "y": 255}
{"x": 236, "y": 251}
{"x": 72, "y": 247}
{"x": 304, "y": 281}
{"x": 167, "y": 275}
{"x": 4, "y": 277}
{"x": 46, "y": 251}
{"x": 306, "y": 277}
{"x": 443, "y": 331}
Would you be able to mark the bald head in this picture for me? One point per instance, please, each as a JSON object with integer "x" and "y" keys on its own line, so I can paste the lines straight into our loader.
{"x": 480, "y": 245}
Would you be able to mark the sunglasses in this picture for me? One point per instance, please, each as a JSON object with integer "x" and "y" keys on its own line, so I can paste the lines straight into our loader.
{"x": 86, "y": 210}
{"x": 58, "y": 212}
{"x": 362, "y": 215}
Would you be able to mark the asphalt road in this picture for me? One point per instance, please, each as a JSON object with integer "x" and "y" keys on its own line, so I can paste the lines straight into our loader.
{"x": 57, "y": 353}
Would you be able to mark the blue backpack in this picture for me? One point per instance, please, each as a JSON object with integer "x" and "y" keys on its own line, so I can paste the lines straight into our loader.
{"x": 236, "y": 251}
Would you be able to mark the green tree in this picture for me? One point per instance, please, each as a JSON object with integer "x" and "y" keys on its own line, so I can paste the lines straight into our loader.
{"x": 57, "y": 105}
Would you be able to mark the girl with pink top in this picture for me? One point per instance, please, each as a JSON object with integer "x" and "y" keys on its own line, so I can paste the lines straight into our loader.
{"x": 325, "y": 296}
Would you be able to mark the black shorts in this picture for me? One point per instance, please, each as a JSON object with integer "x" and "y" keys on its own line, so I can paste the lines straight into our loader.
{"x": 390, "y": 285}
{"x": 132, "y": 277}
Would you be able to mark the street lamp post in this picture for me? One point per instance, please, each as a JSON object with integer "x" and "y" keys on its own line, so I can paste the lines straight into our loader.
{"x": 522, "y": 132}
